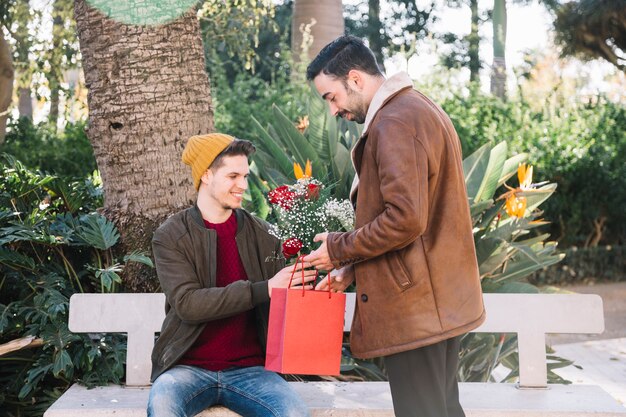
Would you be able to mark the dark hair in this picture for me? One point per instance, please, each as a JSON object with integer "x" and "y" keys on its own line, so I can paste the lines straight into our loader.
{"x": 342, "y": 55}
{"x": 236, "y": 147}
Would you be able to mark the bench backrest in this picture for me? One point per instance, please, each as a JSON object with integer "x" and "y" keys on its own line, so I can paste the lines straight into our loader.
{"x": 531, "y": 316}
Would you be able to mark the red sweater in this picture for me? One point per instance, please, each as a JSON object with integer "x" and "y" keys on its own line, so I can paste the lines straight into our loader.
{"x": 231, "y": 341}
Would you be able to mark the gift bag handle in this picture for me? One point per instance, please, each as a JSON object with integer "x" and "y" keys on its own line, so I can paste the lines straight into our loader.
{"x": 295, "y": 265}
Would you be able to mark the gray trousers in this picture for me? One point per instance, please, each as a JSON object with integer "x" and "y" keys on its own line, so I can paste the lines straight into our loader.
{"x": 423, "y": 381}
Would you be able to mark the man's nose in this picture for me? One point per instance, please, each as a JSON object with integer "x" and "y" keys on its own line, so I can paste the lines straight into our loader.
{"x": 334, "y": 110}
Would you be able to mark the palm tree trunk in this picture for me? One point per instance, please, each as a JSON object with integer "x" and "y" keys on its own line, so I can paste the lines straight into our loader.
{"x": 54, "y": 76}
{"x": 375, "y": 37}
{"x": 25, "y": 101}
{"x": 148, "y": 93}
{"x": 6, "y": 84}
{"x": 498, "y": 75}
{"x": 323, "y": 19}
{"x": 474, "y": 43}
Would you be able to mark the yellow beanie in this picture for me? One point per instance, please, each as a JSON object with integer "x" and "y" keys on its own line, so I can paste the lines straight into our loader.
{"x": 201, "y": 151}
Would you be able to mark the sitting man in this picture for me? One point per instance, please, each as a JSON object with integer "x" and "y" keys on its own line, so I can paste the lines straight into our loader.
{"x": 217, "y": 265}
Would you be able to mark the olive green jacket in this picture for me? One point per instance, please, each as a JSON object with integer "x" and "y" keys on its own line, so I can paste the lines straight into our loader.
{"x": 185, "y": 255}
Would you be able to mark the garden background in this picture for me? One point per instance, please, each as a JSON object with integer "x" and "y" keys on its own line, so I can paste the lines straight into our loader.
{"x": 97, "y": 99}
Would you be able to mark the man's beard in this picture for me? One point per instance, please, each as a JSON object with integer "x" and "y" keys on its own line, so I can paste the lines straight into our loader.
{"x": 359, "y": 111}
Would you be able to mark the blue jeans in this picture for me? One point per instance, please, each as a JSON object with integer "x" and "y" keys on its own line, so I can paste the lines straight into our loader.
{"x": 184, "y": 391}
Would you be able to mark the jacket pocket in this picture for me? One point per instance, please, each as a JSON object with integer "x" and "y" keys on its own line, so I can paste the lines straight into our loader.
{"x": 400, "y": 274}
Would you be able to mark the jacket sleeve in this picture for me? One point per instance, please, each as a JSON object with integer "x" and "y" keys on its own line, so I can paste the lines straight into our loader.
{"x": 402, "y": 164}
{"x": 192, "y": 302}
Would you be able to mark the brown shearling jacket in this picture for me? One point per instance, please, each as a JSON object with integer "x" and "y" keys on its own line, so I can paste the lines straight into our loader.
{"x": 185, "y": 256}
{"x": 412, "y": 250}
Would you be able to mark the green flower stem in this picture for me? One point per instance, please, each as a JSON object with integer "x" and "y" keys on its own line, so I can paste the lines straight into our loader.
{"x": 69, "y": 269}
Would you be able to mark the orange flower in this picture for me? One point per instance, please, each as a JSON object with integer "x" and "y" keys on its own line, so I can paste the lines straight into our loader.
{"x": 515, "y": 206}
{"x": 297, "y": 170}
{"x": 525, "y": 176}
{"x": 303, "y": 123}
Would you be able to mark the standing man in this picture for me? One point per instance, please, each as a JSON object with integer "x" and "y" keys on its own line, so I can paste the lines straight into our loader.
{"x": 217, "y": 265}
{"x": 412, "y": 252}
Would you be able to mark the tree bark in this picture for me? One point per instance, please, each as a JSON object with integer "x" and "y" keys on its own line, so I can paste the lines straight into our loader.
{"x": 6, "y": 83}
{"x": 375, "y": 36}
{"x": 25, "y": 102}
{"x": 498, "y": 74}
{"x": 474, "y": 43}
{"x": 148, "y": 93}
{"x": 55, "y": 64}
{"x": 327, "y": 24}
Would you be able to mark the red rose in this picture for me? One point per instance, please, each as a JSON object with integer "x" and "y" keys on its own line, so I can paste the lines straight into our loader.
{"x": 313, "y": 191}
{"x": 291, "y": 247}
{"x": 282, "y": 196}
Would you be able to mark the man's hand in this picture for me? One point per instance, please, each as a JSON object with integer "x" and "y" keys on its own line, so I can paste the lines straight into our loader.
{"x": 282, "y": 278}
{"x": 319, "y": 258}
{"x": 340, "y": 279}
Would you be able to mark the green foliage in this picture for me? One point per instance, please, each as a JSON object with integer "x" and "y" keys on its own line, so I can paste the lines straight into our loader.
{"x": 232, "y": 28}
{"x": 40, "y": 147}
{"x": 584, "y": 266}
{"x": 401, "y": 24}
{"x": 507, "y": 251}
{"x": 507, "y": 254}
{"x": 52, "y": 245}
{"x": 581, "y": 146}
{"x": 325, "y": 142}
{"x": 591, "y": 29}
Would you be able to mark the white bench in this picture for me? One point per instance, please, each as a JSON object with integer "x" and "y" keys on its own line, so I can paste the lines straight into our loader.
{"x": 531, "y": 316}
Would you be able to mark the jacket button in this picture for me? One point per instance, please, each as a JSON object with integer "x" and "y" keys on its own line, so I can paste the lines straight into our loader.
{"x": 364, "y": 298}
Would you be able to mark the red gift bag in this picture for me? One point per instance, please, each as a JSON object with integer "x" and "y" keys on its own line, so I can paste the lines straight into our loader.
{"x": 305, "y": 331}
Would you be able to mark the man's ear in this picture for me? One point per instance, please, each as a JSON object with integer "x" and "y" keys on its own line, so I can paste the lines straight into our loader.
{"x": 355, "y": 79}
{"x": 207, "y": 176}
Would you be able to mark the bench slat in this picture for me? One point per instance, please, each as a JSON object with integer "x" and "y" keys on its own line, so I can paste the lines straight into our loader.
{"x": 531, "y": 316}
{"x": 366, "y": 399}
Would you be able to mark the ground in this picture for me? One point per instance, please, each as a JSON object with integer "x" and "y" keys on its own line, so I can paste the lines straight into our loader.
{"x": 602, "y": 357}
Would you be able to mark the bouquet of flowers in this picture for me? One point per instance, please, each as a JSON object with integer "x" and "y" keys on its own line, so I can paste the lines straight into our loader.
{"x": 304, "y": 209}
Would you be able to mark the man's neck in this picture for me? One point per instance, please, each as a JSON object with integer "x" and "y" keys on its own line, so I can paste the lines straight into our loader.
{"x": 374, "y": 86}
{"x": 211, "y": 211}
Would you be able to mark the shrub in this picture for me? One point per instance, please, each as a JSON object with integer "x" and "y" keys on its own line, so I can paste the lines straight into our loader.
{"x": 52, "y": 244}
{"x": 581, "y": 146}
{"x": 40, "y": 147}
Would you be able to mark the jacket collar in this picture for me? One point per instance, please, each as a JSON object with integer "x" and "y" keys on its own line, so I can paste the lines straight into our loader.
{"x": 387, "y": 90}
{"x": 392, "y": 86}
{"x": 196, "y": 215}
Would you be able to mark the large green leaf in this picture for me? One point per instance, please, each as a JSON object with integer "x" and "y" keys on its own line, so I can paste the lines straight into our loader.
{"x": 493, "y": 172}
{"x": 509, "y": 287}
{"x": 343, "y": 165}
{"x": 62, "y": 363}
{"x": 474, "y": 168}
{"x": 15, "y": 259}
{"x": 534, "y": 198}
{"x": 495, "y": 260}
{"x": 139, "y": 257}
{"x": 73, "y": 199}
{"x": 281, "y": 159}
{"x": 97, "y": 231}
{"x": 297, "y": 144}
{"x": 510, "y": 167}
{"x": 318, "y": 132}
{"x": 521, "y": 268}
{"x": 108, "y": 276}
